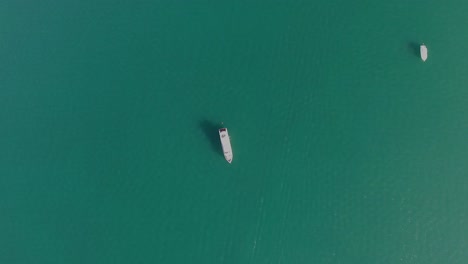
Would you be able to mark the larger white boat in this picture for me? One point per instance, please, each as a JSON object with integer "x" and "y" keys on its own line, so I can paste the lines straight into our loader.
{"x": 423, "y": 50}
{"x": 226, "y": 143}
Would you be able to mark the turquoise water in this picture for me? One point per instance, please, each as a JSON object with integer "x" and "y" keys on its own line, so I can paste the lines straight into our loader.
{"x": 347, "y": 147}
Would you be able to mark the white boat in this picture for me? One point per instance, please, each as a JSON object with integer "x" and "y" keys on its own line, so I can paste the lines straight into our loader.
{"x": 226, "y": 143}
{"x": 423, "y": 50}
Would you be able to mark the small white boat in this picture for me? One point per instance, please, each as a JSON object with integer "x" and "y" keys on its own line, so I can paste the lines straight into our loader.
{"x": 226, "y": 143}
{"x": 423, "y": 50}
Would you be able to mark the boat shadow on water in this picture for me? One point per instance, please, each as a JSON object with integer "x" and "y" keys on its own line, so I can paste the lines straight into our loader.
{"x": 212, "y": 135}
{"x": 414, "y": 47}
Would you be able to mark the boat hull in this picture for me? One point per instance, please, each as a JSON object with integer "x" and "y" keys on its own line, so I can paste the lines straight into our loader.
{"x": 423, "y": 50}
{"x": 226, "y": 144}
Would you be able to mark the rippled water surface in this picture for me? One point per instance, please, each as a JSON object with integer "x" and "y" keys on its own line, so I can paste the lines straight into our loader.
{"x": 347, "y": 147}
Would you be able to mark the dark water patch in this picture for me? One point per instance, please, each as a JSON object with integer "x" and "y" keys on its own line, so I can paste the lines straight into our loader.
{"x": 210, "y": 130}
{"x": 413, "y": 47}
